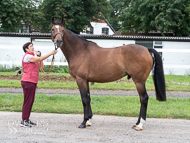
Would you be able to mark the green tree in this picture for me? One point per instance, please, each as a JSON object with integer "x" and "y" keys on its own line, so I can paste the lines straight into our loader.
{"x": 76, "y": 13}
{"x": 12, "y": 12}
{"x": 115, "y": 9}
{"x": 156, "y": 15}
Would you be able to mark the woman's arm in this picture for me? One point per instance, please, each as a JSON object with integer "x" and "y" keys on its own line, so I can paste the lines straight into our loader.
{"x": 39, "y": 59}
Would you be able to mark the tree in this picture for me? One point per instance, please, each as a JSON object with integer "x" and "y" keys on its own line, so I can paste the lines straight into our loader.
{"x": 12, "y": 12}
{"x": 115, "y": 9}
{"x": 76, "y": 13}
{"x": 156, "y": 15}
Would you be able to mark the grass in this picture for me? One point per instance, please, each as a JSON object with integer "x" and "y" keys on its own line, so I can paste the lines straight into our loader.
{"x": 102, "y": 105}
{"x": 96, "y": 86}
{"x": 177, "y": 78}
{"x": 51, "y": 73}
{"x": 173, "y": 83}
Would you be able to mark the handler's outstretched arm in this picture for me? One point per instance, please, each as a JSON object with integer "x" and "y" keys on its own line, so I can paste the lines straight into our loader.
{"x": 39, "y": 59}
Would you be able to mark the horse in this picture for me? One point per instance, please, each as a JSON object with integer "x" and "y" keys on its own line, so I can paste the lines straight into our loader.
{"x": 89, "y": 62}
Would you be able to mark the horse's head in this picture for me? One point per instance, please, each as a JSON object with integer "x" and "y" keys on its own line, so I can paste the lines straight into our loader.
{"x": 57, "y": 32}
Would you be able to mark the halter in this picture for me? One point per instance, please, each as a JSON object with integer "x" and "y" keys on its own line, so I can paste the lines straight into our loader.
{"x": 56, "y": 35}
{"x": 52, "y": 62}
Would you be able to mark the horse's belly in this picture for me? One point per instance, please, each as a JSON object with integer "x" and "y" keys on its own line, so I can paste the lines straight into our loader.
{"x": 104, "y": 76}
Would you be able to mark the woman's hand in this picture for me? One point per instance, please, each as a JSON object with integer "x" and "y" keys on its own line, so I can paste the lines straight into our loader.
{"x": 54, "y": 52}
{"x": 38, "y": 53}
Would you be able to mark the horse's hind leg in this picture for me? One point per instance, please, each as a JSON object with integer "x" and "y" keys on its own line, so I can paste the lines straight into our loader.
{"x": 85, "y": 96}
{"x": 144, "y": 102}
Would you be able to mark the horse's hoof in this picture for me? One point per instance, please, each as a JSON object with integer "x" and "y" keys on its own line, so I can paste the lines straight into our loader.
{"x": 88, "y": 123}
{"x": 137, "y": 128}
{"x": 82, "y": 126}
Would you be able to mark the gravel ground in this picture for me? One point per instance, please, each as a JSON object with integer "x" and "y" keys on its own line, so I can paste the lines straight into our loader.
{"x": 50, "y": 92}
{"x": 54, "y": 128}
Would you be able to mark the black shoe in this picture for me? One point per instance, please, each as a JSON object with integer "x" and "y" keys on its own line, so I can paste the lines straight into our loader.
{"x": 31, "y": 123}
{"x": 25, "y": 124}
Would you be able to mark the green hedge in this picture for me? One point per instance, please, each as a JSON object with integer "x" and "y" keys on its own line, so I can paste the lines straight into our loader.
{"x": 56, "y": 69}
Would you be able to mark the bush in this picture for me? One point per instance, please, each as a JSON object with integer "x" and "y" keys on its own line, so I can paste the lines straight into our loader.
{"x": 57, "y": 69}
{"x": 8, "y": 69}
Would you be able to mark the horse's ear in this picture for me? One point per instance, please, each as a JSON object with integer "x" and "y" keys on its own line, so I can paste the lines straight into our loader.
{"x": 62, "y": 21}
{"x": 52, "y": 20}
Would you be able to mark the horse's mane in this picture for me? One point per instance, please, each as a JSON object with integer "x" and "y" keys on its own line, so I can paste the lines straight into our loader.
{"x": 78, "y": 36}
{"x": 58, "y": 23}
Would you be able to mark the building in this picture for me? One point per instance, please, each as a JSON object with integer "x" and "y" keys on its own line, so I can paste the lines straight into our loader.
{"x": 175, "y": 51}
{"x": 100, "y": 27}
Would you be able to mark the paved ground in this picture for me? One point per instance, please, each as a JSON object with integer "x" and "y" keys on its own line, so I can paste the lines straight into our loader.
{"x": 106, "y": 129}
{"x": 94, "y": 92}
{"x": 56, "y": 128}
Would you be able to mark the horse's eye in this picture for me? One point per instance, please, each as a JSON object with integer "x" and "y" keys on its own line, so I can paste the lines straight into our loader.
{"x": 52, "y": 29}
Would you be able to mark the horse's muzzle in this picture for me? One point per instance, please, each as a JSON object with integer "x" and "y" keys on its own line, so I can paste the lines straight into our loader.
{"x": 59, "y": 42}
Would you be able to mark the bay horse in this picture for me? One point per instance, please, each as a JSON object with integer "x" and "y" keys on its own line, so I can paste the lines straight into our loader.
{"x": 89, "y": 62}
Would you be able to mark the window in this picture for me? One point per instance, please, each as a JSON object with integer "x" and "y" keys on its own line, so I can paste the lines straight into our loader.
{"x": 25, "y": 28}
{"x": 158, "y": 47}
{"x": 158, "y": 44}
{"x": 148, "y": 44}
{"x": 105, "y": 31}
{"x": 151, "y": 44}
{"x": 89, "y": 30}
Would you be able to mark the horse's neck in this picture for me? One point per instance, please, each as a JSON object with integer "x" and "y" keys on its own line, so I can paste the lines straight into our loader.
{"x": 72, "y": 46}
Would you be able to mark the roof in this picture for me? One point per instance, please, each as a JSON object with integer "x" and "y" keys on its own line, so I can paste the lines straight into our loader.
{"x": 119, "y": 37}
{"x": 110, "y": 26}
{"x": 140, "y": 33}
{"x": 99, "y": 21}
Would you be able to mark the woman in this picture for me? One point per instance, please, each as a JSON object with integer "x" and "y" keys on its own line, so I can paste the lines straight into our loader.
{"x": 30, "y": 79}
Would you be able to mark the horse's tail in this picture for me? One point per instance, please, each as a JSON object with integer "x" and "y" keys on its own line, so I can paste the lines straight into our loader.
{"x": 158, "y": 76}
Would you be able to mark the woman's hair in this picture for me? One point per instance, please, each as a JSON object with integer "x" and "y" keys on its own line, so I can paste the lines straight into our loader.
{"x": 25, "y": 46}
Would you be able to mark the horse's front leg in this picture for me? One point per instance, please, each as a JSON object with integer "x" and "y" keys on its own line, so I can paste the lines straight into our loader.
{"x": 89, "y": 123}
{"x": 85, "y": 96}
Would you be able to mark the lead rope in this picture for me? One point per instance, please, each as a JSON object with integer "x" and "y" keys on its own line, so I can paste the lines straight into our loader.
{"x": 52, "y": 63}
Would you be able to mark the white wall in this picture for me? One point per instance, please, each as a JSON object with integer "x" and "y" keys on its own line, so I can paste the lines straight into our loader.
{"x": 174, "y": 62}
{"x": 110, "y": 43}
{"x": 11, "y": 50}
{"x": 176, "y": 58}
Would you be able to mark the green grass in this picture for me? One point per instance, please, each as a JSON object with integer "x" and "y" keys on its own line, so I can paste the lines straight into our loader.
{"x": 173, "y": 83}
{"x": 177, "y": 78}
{"x": 51, "y": 73}
{"x": 6, "y": 73}
{"x": 97, "y": 86}
{"x": 102, "y": 105}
